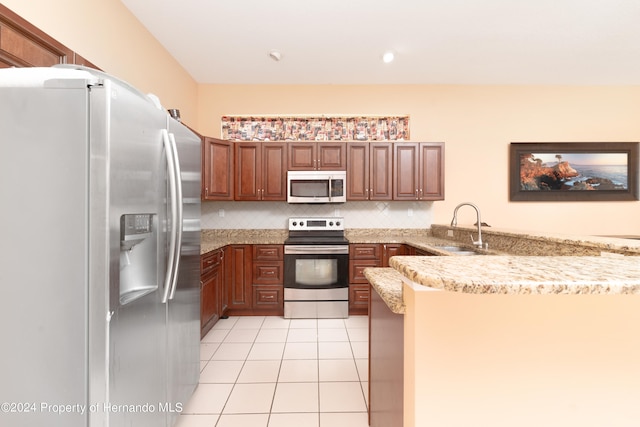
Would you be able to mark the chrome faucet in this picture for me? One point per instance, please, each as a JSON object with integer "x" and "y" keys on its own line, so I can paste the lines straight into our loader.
{"x": 454, "y": 222}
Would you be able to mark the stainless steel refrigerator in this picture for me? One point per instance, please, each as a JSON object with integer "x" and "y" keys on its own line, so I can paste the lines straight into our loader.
{"x": 99, "y": 253}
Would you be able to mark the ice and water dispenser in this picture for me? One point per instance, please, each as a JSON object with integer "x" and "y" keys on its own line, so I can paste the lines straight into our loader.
{"x": 138, "y": 256}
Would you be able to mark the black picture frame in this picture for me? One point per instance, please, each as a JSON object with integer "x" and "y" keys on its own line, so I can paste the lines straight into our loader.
{"x": 534, "y": 177}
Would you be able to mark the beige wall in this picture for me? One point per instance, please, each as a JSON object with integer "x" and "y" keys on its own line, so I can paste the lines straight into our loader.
{"x": 477, "y": 123}
{"x": 107, "y": 34}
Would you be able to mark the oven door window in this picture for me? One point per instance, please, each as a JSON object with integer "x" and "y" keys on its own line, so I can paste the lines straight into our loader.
{"x": 316, "y": 272}
{"x": 307, "y": 271}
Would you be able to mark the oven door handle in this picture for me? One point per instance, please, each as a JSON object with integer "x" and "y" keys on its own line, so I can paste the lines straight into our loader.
{"x": 316, "y": 250}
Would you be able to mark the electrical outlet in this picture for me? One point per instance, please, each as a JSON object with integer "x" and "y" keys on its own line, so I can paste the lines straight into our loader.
{"x": 410, "y": 212}
{"x": 449, "y": 233}
{"x": 221, "y": 213}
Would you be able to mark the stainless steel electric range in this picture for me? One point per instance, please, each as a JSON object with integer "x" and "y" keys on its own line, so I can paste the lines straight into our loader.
{"x": 316, "y": 269}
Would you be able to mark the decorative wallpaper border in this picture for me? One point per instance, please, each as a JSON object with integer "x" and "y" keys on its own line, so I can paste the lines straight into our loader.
{"x": 315, "y": 128}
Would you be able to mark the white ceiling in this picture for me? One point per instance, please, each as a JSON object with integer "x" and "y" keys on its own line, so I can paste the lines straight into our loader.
{"x": 435, "y": 41}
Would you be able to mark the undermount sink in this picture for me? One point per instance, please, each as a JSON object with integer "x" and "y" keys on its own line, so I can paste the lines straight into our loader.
{"x": 457, "y": 250}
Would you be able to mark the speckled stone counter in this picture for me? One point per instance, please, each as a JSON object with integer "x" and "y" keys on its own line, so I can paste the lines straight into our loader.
{"x": 216, "y": 239}
{"x": 522, "y": 242}
{"x": 388, "y": 283}
{"x": 523, "y": 275}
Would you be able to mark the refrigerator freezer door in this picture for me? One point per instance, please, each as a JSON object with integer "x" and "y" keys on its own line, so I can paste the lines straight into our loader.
{"x": 137, "y": 182}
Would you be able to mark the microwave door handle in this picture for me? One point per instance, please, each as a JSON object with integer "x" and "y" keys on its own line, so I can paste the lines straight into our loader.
{"x": 330, "y": 190}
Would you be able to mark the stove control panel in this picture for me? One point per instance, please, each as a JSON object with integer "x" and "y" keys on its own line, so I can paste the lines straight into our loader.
{"x": 316, "y": 224}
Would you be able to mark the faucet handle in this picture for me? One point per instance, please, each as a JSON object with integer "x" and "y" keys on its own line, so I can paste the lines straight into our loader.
{"x": 478, "y": 243}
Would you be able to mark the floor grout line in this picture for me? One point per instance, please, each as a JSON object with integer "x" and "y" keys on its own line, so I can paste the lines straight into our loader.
{"x": 239, "y": 324}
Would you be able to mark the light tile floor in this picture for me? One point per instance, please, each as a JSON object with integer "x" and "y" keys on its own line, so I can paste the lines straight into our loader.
{"x": 259, "y": 371}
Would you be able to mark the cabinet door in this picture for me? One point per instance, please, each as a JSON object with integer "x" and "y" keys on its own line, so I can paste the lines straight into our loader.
{"x": 209, "y": 296}
{"x": 211, "y": 279}
{"x": 223, "y": 287}
{"x": 302, "y": 156}
{"x": 274, "y": 171}
{"x": 331, "y": 156}
{"x": 405, "y": 182}
{"x": 24, "y": 45}
{"x": 217, "y": 169}
{"x": 238, "y": 277}
{"x": 381, "y": 171}
{"x": 248, "y": 171}
{"x": 392, "y": 249}
{"x": 317, "y": 156}
{"x": 419, "y": 171}
{"x": 432, "y": 171}
{"x": 357, "y": 171}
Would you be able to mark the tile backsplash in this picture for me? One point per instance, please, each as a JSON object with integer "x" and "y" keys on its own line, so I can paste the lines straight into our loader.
{"x": 274, "y": 215}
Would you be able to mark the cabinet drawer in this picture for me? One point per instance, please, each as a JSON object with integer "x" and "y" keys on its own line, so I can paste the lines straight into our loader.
{"x": 364, "y": 251}
{"x": 265, "y": 296}
{"x": 268, "y": 273}
{"x": 209, "y": 260}
{"x": 268, "y": 252}
{"x": 356, "y": 268}
{"x": 359, "y": 295}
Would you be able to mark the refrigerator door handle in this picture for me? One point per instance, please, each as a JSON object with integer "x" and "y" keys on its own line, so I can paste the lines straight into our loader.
{"x": 173, "y": 202}
{"x": 179, "y": 217}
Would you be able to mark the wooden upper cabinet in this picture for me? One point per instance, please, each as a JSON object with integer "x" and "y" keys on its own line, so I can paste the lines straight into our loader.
{"x": 217, "y": 169}
{"x": 432, "y": 171}
{"x": 419, "y": 171}
{"x": 24, "y": 45}
{"x": 357, "y": 171}
{"x": 369, "y": 171}
{"x": 261, "y": 171}
{"x": 317, "y": 156}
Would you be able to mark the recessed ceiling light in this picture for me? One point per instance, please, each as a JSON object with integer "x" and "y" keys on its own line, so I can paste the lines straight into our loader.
{"x": 275, "y": 55}
{"x": 388, "y": 57}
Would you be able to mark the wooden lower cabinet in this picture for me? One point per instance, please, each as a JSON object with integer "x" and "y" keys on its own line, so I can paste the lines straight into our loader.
{"x": 268, "y": 300}
{"x": 237, "y": 280}
{"x": 211, "y": 285}
{"x": 241, "y": 280}
{"x": 268, "y": 280}
{"x": 244, "y": 280}
{"x": 361, "y": 256}
{"x": 386, "y": 365}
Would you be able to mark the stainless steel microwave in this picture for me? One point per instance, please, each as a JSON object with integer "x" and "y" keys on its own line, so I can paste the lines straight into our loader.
{"x": 316, "y": 186}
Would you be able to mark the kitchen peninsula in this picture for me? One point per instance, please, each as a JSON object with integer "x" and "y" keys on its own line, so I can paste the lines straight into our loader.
{"x": 518, "y": 340}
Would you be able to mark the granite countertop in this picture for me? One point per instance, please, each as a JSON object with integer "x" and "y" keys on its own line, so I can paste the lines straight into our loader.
{"x": 388, "y": 283}
{"x": 541, "y": 266}
{"x": 523, "y": 274}
{"x": 216, "y": 239}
